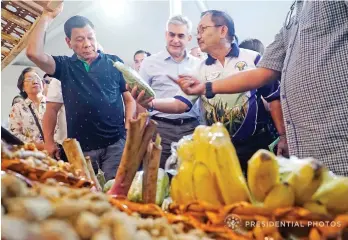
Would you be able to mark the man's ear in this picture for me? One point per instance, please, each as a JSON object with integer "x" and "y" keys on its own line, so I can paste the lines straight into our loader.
{"x": 224, "y": 31}
{"x": 166, "y": 34}
{"x": 67, "y": 40}
{"x": 190, "y": 38}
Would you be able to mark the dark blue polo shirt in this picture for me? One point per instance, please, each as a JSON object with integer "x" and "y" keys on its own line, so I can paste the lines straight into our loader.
{"x": 93, "y": 100}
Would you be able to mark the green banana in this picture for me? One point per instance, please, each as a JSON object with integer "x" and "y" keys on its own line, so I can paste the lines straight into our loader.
{"x": 263, "y": 174}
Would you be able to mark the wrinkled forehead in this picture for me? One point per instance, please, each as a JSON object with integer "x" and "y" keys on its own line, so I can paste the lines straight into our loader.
{"x": 178, "y": 29}
{"x": 206, "y": 20}
{"x": 86, "y": 31}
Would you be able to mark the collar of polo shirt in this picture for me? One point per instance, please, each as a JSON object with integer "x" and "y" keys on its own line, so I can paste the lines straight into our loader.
{"x": 234, "y": 52}
{"x": 85, "y": 64}
{"x": 74, "y": 57}
{"x": 167, "y": 55}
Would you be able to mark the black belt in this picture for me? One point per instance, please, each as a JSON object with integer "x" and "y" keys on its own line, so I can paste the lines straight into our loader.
{"x": 178, "y": 121}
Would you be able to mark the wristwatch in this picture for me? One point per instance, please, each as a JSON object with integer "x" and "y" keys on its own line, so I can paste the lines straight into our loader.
{"x": 151, "y": 108}
{"x": 209, "y": 90}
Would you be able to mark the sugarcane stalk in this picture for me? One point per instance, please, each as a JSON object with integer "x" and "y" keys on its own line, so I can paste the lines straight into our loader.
{"x": 148, "y": 134}
{"x": 143, "y": 120}
{"x": 151, "y": 165}
{"x": 92, "y": 174}
{"x": 146, "y": 163}
{"x": 75, "y": 156}
{"x": 129, "y": 162}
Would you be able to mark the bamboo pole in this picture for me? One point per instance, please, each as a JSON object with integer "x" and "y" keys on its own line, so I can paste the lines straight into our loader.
{"x": 150, "y": 166}
{"x": 75, "y": 156}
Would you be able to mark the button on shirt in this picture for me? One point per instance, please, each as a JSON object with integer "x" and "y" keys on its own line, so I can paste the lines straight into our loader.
{"x": 93, "y": 100}
{"x": 54, "y": 94}
{"x": 155, "y": 70}
{"x": 237, "y": 60}
{"x": 311, "y": 51}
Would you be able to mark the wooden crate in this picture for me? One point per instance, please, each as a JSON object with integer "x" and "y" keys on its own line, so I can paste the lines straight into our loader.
{"x": 18, "y": 19}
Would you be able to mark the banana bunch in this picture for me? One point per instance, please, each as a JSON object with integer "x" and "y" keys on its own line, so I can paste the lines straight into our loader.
{"x": 331, "y": 197}
{"x": 209, "y": 169}
{"x": 264, "y": 182}
{"x": 276, "y": 183}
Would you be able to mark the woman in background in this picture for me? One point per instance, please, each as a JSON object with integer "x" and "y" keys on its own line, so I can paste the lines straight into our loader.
{"x": 17, "y": 99}
{"x": 26, "y": 116}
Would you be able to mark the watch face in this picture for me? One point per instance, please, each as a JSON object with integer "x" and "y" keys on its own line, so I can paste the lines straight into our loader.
{"x": 209, "y": 95}
{"x": 209, "y": 92}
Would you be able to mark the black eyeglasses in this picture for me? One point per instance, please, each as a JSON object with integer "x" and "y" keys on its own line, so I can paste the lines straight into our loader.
{"x": 201, "y": 29}
{"x": 289, "y": 21}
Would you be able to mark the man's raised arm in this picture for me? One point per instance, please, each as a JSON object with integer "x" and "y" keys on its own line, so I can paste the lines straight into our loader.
{"x": 35, "y": 49}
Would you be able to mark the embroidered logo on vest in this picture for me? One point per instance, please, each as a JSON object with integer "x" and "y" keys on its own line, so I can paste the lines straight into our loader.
{"x": 241, "y": 65}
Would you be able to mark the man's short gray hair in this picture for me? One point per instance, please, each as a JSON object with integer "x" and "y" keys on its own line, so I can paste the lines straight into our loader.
{"x": 180, "y": 20}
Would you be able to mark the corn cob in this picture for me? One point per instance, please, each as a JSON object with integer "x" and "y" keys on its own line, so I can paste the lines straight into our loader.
{"x": 134, "y": 79}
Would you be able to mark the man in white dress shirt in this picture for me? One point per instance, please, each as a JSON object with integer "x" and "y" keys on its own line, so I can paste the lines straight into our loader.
{"x": 54, "y": 115}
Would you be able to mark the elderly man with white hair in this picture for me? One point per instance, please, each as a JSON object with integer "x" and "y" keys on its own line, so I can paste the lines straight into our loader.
{"x": 155, "y": 69}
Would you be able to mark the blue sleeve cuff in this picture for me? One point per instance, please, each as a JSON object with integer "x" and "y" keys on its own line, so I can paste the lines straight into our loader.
{"x": 257, "y": 59}
{"x": 184, "y": 100}
{"x": 275, "y": 95}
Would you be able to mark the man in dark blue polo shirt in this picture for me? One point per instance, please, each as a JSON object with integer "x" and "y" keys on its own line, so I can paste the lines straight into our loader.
{"x": 93, "y": 91}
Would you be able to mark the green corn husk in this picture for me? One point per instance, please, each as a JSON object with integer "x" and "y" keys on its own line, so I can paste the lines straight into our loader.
{"x": 134, "y": 79}
{"x": 135, "y": 191}
{"x": 108, "y": 185}
{"x": 162, "y": 191}
{"x": 101, "y": 178}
